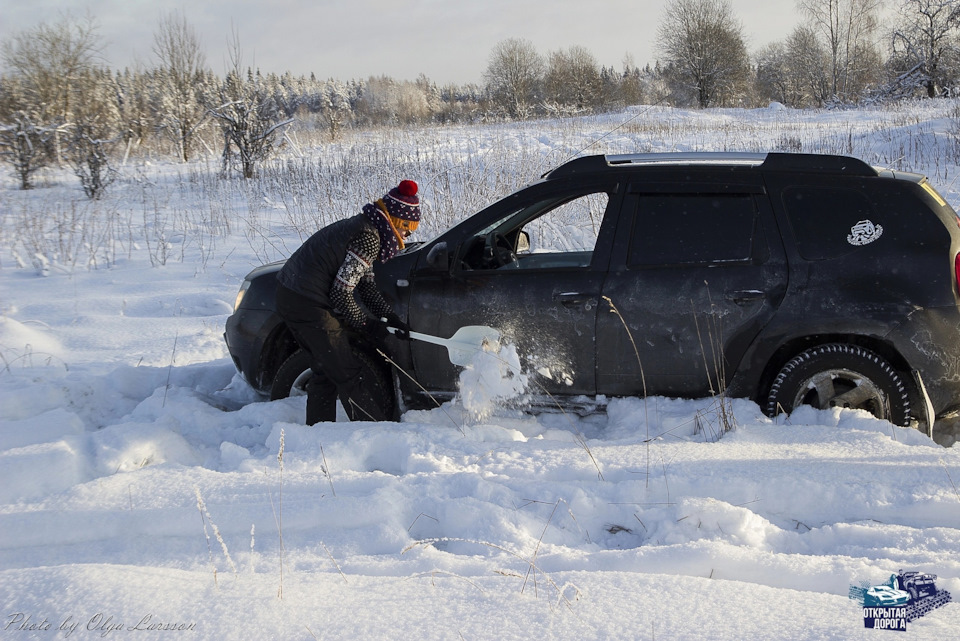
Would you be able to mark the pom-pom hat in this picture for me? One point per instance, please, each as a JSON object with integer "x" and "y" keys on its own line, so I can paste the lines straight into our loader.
{"x": 403, "y": 206}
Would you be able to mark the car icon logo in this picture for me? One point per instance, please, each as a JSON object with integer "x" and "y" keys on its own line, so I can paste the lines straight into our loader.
{"x": 864, "y": 233}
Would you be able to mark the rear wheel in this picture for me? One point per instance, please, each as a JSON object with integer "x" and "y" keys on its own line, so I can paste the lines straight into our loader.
{"x": 841, "y": 375}
{"x": 292, "y": 377}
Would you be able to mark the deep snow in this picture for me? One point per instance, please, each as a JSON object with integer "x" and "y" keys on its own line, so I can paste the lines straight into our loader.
{"x": 144, "y": 484}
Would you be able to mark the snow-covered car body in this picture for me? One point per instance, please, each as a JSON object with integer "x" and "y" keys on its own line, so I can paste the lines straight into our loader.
{"x": 783, "y": 278}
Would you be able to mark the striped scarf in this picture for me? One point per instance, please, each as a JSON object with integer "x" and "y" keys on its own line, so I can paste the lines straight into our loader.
{"x": 390, "y": 242}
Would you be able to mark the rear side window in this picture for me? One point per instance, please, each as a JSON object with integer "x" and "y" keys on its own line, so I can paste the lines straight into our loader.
{"x": 672, "y": 229}
{"x": 829, "y": 222}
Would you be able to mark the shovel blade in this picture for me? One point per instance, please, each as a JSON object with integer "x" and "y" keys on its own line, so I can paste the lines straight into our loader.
{"x": 464, "y": 344}
{"x": 467, "y": 341}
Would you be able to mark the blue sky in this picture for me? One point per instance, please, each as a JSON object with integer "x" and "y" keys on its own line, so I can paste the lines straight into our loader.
{"x": 448, "y": 40}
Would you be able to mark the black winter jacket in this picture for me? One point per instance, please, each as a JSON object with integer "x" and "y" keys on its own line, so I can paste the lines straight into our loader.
{"x": 334, "y": 267}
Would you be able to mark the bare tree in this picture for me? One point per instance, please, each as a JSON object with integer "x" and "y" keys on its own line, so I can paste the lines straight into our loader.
{"x": 93, "y": 133}
{"x": 926, "y": 38}
{"x": 50, "y": 61}
{"x": 774, "y": 80}
{"x": 514, "y": 75}
{"x": 249, "y": 117}
{"x": 847, "y": 28}
{"x": 810, "y": 65}
{"x": 702, "y": 44}
{"x": 795, "y": 71}
{"x": 181, "y": 64}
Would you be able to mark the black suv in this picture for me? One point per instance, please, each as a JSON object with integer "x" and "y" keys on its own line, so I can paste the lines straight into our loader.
{"x": 787, "y": 279}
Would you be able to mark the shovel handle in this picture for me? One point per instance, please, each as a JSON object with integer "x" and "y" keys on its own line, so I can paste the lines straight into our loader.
{"x": 427, "y": 338}
{"x": 449, "y": 343}
{"x": 462, "y": 346}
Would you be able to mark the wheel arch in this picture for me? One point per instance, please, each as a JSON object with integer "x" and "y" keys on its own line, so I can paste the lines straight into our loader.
{"x": 791, "y": 348}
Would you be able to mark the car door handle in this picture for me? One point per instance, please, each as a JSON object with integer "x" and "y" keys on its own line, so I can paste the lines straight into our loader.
{"x": 574, "y": 299}
{"x": 741, "y": 296}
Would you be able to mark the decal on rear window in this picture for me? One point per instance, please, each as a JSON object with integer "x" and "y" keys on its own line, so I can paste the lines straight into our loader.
{"x": 864, "y": 233}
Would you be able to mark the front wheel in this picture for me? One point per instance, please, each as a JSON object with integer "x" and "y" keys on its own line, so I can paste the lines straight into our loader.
{"x": 293, "y": 375}
{"x": 841, "y": 375}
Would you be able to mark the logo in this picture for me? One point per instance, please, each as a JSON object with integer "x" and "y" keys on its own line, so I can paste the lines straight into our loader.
{"x": 905, "y": 597}
{"x": 864, "y": 233}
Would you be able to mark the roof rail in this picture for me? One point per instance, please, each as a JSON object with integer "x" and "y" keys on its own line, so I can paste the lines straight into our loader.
{"x": 689, "y": 158}
{"x": 772, "y": 161}
{"x": 599, "y": 163}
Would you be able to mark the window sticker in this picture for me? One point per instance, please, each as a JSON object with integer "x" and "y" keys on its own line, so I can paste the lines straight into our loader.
{"x": 864, "y": 233}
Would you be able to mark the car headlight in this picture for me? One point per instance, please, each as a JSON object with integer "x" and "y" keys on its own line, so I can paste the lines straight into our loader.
{"x": 240, "y": 294}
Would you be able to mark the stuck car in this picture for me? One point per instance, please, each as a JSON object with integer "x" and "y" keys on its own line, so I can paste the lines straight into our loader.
{"x": 788, "y": 279}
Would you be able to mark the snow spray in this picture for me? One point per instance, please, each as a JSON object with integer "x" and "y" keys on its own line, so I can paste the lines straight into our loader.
{"x": 493, "y": 376}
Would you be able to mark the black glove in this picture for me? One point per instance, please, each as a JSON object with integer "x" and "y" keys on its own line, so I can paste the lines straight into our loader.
{"x": 375, "y": 332}
{"x": 403, "y": 330}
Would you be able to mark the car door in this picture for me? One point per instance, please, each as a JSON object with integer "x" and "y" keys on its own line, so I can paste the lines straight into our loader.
{"x": 531, "y": 266}
{"x": 697, "y": 272}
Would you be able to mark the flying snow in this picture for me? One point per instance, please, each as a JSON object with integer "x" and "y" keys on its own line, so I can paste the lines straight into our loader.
{"x": 493, "y": 377}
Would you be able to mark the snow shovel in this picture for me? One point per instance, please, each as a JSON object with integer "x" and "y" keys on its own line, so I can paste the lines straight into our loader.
{"x": 462, "y": 346}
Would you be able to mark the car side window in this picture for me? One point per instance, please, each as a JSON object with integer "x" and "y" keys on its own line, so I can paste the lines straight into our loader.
{"x": 571, "y": 227}
{"x": 674, "y": 229}
{"x": 824, "y": 218}
{"x": 555, "y": 233}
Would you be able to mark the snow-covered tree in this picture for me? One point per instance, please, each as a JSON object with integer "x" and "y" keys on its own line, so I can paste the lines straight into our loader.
{"x": 24, "y": 145}
{"x": 796, "y": 71}
{"x": 93, "y": 133}
{"x": 250, "y": 120}
{"x": 572, "y": 80}
{"x": 51, "y": 61}
{"x": 514, "y": 76}
{"x": 335, "y": 106}
{"x": 181, "y": 66}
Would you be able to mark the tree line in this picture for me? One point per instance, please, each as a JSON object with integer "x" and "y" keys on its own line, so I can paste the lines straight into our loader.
{"x": 59, "y": 104}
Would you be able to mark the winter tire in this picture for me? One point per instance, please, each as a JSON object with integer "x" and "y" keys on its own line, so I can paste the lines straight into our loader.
{"x": 841, "y": 375}
{"x": 292, "y": 377}
{"x": 377, "y": 376}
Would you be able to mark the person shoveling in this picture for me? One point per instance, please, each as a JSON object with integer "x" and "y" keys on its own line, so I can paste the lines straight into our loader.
{"x": 323, "y": 290}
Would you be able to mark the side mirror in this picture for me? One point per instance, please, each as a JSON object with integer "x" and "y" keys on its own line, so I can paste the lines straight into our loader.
{"x": 439, "y": 257}
{"x": 523, "y": 242}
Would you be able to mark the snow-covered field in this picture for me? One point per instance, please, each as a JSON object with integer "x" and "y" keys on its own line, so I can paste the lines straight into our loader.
{"x": 143, "y": 485}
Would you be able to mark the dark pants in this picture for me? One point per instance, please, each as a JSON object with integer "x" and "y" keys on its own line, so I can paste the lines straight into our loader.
{"x": 337, "y": 372}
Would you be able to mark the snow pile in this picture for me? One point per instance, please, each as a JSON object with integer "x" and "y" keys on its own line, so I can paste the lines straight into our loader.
{"x": 515, "y": 527}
